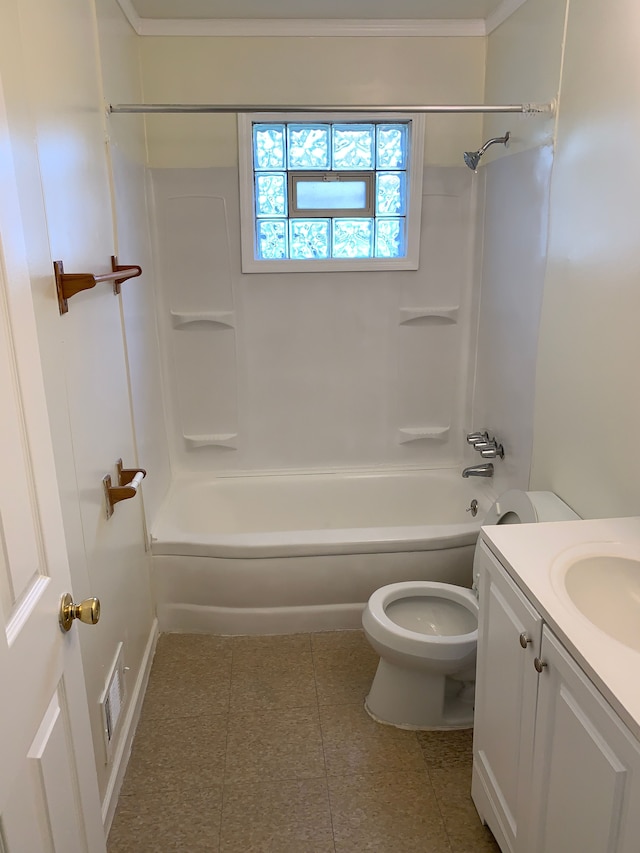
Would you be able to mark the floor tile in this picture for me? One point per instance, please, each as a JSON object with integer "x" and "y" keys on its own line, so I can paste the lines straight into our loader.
{"x": 191, "y": 675}
{"x": 166, "y": 821}
{"x": 287, "y": 645}
{"x": 354, "y": 743}
{"x": 273, "y": 674}
{"x": 276, "y": 817}
{"x": 386, "y": 813}
{"x": 344, "y": 665}
{"x": 179, "y": 754}
{"x": 282, "y": 744}
{"x": 447, "y": 749}
{"x": 466, "y": 833}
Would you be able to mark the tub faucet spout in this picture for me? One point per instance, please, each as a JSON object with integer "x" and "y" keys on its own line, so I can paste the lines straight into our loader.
{"x": 485, "y": 470}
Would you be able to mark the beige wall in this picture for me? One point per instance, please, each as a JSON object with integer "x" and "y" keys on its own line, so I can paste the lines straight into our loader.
{"x": 588, "y": 402}
{"x": 306, "y": 71}
{"x": 524, "y": 57}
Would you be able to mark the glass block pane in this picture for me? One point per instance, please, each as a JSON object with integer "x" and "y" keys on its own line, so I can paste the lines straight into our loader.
{"x": 390, "y": 193}
{"x": 309, "y": 238}
{"x": 308, "y": 146}
{"x": 271, "y": 194}
{"x": 331, "y": 195}
{"x": 272, "y": 239}
{"x": 390, "y": 238}
{"x": 352, "y": 238}
{"x": 391, "y": 146}
{"x": 268, "y": 146}
{"x": 353, "y": 146}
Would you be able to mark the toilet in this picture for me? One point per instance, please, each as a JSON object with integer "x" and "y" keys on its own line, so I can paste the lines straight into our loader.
{"x": 426, "y": 634}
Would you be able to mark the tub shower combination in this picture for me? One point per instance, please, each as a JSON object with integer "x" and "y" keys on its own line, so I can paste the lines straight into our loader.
{"x": 287, "y": 553}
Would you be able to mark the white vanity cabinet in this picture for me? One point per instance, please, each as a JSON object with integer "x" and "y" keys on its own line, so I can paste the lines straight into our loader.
{"x": 554, "y": 768}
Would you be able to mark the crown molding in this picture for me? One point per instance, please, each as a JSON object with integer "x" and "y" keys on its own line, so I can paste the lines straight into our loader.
{"x": 500, "y": 15}
{"x": 306, "y": 27}
{"x": 130, "y": 14}
{"x": 302, "y": 27}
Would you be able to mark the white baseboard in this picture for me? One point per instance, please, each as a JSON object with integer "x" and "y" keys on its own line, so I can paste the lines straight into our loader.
{"x": 129, "y": 725}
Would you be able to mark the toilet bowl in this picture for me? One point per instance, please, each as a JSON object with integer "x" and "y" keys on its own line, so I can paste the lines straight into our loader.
{"x": 426, "y": 634}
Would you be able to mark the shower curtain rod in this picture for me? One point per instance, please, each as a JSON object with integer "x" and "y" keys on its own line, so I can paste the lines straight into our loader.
{"x": 526, "y": 109}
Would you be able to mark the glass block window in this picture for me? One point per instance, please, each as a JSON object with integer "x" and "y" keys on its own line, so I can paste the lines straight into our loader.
{"x": 374, "y": 149}
{"x": 330, "y": 190}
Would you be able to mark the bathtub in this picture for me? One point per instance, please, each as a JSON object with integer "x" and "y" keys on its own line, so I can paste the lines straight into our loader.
{"x": 287, "y": 553}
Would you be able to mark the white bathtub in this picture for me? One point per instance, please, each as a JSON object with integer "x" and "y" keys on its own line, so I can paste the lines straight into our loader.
{"x": 280, "y": 554}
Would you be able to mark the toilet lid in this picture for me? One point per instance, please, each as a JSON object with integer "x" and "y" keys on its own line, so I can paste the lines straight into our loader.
{"x": 432, "y": 615}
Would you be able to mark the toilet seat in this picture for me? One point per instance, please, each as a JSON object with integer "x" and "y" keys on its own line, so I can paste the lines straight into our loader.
{"x": 381, "y": 627}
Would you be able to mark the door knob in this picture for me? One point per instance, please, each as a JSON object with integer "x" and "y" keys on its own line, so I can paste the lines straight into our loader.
{"x": 88, "y": 611}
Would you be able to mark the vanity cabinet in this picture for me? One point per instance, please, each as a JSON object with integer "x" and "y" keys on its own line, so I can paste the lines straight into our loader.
{"x": 554, "y": 768}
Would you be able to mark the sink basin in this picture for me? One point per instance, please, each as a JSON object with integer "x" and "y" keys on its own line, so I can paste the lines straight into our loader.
{"x": 606, "y": 589}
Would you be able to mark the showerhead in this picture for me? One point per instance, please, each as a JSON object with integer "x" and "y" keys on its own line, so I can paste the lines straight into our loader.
{"x": 472, "y": 158}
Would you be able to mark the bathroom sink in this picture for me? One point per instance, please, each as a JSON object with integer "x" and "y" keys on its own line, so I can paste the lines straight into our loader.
{"x": 606, "y": 589}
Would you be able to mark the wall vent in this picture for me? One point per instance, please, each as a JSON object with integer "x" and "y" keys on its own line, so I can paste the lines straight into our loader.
{"x": 112, "y": 702}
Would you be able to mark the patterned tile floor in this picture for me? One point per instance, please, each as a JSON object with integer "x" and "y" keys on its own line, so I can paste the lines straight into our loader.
{"x": 262, "y": 745}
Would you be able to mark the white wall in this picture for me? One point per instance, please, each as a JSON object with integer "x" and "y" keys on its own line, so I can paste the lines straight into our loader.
{"x": 49, "y": 60}
{"x": 587, "y": 402}
{"x": 512, "y": 275}
{"x": 126, "y": 147}
{"x": 523, "y": 65}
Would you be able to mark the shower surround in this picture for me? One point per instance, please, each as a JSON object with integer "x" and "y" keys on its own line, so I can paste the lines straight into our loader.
{"x": 312, "y": 371}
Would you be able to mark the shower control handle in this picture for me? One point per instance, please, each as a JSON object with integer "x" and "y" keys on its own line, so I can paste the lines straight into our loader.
{"x": 492, "y": 451}
{"x": 475, "y": 437}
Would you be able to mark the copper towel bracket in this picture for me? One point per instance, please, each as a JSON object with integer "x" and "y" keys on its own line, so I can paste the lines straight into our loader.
{"x": 129, "y": 480}
{"x": 68, "y": 284}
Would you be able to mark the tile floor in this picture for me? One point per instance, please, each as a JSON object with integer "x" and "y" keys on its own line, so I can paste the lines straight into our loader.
{"x": 262, "y": 745}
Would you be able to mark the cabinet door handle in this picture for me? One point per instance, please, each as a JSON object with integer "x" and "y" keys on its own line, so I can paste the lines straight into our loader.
{"x": 524, "y": 640}
{"x": 539, "y": 664}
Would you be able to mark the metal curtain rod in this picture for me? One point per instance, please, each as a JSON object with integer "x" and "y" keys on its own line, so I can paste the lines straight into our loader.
{"x": 526, "y": 109}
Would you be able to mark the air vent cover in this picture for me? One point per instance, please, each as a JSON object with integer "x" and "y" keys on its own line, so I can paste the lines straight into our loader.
{"x": 112, "y": 702}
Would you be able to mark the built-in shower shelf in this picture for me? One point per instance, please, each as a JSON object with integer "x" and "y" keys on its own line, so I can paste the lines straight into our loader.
{"x": 424, "y": 316}
{"x": 431, "y": 433}
{"x": 224, "y": 439}
{"x": 219, "y": 319}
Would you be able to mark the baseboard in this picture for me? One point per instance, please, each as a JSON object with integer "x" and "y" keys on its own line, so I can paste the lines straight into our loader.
{"x": 129, "y": 726}
{"x": 194, "y": 619}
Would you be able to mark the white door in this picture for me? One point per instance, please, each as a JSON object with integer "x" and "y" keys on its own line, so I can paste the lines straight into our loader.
{"x": 48, "y": 787}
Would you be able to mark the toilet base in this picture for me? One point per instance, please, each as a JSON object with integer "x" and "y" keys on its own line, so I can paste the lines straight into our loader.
{"x": 418, "y": 700}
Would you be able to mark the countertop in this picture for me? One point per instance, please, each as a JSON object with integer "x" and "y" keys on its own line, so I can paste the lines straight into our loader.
{"x": 534, "y": 555}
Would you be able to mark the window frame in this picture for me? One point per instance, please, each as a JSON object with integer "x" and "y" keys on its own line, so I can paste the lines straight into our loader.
{"x": 252, "y": 264}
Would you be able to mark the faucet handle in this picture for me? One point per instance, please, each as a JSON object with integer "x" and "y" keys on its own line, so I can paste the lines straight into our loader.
{"x": 491, "y": 452}
{"x": 475, "y": 437}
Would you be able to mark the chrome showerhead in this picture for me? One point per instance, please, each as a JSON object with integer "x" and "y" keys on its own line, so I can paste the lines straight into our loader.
{"x": 472, "y": 158}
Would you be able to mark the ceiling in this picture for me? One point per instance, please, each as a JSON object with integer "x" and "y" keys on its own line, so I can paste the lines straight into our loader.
{"x": 419, "y": 10}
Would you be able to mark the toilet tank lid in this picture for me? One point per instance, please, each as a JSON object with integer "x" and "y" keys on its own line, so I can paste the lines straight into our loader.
{"x": 530, "y": 507}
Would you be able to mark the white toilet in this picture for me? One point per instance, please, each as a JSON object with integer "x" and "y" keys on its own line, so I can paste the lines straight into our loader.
{"x": 426, "y": 634}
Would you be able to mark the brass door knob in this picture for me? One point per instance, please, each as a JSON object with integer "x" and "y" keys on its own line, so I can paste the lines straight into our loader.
{"x": 88, "y": 611}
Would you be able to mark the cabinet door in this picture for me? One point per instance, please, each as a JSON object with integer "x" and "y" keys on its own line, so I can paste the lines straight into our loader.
{"x": 506, "y": 685}
{"x": 586, "y": 766}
